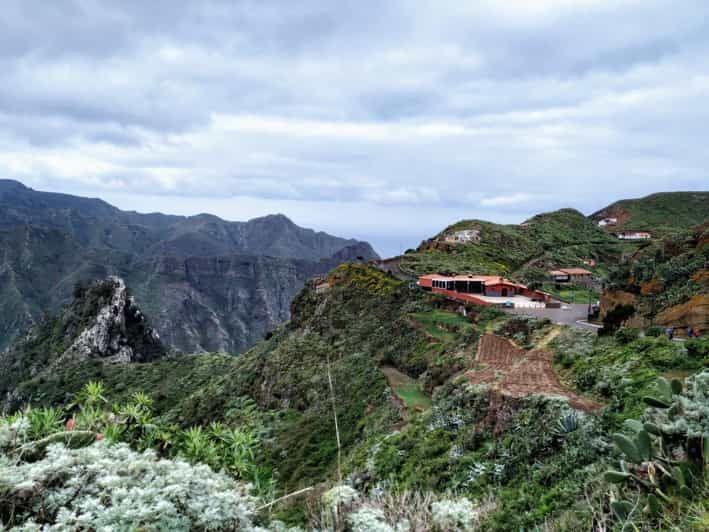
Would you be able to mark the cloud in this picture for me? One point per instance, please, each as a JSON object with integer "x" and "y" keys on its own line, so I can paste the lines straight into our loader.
{"x": 411, "y": 113}
{"x": 501, "y": 201}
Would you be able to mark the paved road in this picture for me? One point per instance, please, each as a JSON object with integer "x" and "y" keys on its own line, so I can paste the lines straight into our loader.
{"x": 574, "y": 315}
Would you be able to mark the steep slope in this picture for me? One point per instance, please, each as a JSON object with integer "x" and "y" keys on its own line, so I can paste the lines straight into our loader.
{"x": 660, "y": 213}
{"x": 206, "y": 283}
{"x": 562, "y": 238}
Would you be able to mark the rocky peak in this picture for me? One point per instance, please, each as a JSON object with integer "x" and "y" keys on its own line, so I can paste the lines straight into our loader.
{"x": 102, "y": 322}
{"x": 119, "y": 331}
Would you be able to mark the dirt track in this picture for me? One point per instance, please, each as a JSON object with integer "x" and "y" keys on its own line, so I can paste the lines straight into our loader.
{"x": 518, "y": 373}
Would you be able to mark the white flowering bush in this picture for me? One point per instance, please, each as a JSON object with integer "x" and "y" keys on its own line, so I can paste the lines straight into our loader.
{"x": 457, "y": 514}
{"x": 13, "y": 432}
{"x": 340, "y": 496}
{"x": 405, "y": 511}
{"x": 111, "y": 487}
{"x": 369, "y": 519}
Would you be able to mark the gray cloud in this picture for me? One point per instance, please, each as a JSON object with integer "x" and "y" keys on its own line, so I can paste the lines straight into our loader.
{"x": 413, "y": 113}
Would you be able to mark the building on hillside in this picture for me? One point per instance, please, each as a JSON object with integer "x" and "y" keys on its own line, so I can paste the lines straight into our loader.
{"x": 634, "y": 235}
{"x": 482, "y": 289}
{"x": 572, "y": 275}
{"x": 589, "y": 262}
{"x": 465, "y": 236}
{"x": 607, "y": 221}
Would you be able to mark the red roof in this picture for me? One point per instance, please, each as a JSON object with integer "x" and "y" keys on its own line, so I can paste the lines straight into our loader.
{"x": 576, "y": 271}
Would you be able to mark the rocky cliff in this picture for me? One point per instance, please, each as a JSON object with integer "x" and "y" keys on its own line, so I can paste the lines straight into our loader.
{"x": 206, "y": 283}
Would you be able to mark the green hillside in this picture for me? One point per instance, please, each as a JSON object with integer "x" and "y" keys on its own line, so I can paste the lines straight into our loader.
{"x": 661, "y": 213}
{"x": 562, "y": 238}
{"x": 410, "y": 422}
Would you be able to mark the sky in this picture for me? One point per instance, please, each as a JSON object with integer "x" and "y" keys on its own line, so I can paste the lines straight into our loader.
{"x": 379, "y": 120}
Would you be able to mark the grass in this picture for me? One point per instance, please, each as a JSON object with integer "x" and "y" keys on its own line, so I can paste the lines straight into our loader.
{"x": 572, "y": 294}
{"x": 408, "y": 390}
{"x": 442, "y": 325}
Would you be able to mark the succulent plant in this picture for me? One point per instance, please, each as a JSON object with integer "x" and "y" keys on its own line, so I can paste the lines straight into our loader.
{"x": 651, "y": 461}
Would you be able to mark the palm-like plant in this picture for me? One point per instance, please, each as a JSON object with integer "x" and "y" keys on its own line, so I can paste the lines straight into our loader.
{"x": 92, "y": 394}
{"x": 197, "y": 447}
{"x": 43, "y": 421}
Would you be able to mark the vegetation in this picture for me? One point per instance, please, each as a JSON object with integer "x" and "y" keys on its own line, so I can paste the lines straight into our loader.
{"x": 556, "y": 239}
{"x": 420, "y": 445}
{"x": 662, "y": 214}
{"x": 665, "y": 274}
{"x": 75, "y": 464}
{"x": 407, "y": 389}
{"x": 572, "y": 293}
{"x": 665, "y": 465}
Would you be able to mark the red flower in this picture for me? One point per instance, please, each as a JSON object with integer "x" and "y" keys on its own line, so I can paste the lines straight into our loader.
{"x": 70, "y": 425}
{"x": 99, "y": 437}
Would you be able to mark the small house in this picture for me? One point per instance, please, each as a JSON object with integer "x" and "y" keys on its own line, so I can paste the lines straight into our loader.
{"x": 607, "y": 221}
{"x": 465, "y": 236}
{"x": 559, "y": 276}
{"x": 634, "y": 235}
{"x": 589, "y": 262}
{"x": 571, "y": 275}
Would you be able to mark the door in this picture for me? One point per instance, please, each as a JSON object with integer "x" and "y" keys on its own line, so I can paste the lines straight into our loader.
{"x": 504, "y": 292}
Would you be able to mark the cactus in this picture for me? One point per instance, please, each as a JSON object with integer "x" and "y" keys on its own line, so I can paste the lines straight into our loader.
{"x": 649, "y": 463}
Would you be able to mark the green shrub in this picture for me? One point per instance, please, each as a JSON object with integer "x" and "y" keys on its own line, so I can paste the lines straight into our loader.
{"x": 655, "y": 331}
{"x": 697, "y": 347}
{"x": 627, "y": 335}
{"x": 615, "y": 317}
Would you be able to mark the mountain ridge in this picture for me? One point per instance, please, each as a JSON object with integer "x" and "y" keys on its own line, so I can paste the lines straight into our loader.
{"x": 52, "y": 241}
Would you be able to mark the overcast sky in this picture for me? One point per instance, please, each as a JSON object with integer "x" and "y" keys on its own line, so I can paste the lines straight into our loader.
{"x": 383, "y": 120}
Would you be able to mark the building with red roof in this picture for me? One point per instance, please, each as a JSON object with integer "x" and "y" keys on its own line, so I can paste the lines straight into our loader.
{"x": 479, "y": 289}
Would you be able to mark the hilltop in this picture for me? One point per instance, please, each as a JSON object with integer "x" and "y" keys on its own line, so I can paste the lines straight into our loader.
{"x": 661, "y": 213}
{"x": 562, "y": 238}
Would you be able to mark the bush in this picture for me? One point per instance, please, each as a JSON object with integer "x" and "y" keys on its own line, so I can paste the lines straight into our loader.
{"x": 697, "y": 347}
{"x": 655, "y": 331}
{"x": 627, "y": 335}
{"x": 106, "y": 486}
{"x": 615, "y": 317}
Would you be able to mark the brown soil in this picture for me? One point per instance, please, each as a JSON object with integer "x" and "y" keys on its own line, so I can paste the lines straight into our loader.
{"x": 517, "y": 373}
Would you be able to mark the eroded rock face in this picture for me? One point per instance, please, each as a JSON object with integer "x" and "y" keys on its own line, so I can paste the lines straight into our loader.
{"x": 694, "y": 313}
{"x": 119, "y": 332}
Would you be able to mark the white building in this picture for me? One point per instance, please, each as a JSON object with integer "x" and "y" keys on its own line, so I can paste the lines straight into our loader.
{"x": 634, "y": 235}
{"x": 464, "y": 237}
{"x": 607, "y": 221}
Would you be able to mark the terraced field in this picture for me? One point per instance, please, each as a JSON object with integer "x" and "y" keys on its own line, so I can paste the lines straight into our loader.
{"x": 519, "y": 373}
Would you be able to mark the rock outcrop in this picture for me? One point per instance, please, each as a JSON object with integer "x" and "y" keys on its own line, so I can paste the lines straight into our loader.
{"x": 119, "y": 332}
{"x": 101, "y": 323}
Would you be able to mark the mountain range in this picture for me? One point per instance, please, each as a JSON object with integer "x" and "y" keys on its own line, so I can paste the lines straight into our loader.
{"x": 205, "y": 283}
